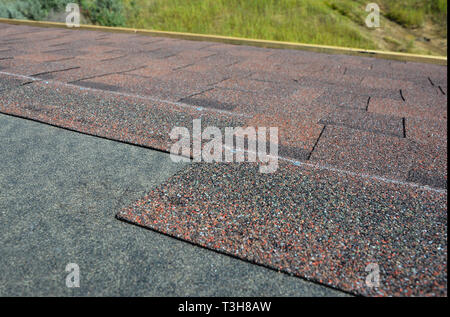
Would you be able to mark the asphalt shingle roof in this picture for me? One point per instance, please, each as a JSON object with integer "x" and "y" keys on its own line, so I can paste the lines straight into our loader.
{"x": 363, "y": 146}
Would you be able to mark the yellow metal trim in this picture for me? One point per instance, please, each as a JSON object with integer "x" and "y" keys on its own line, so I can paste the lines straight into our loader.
{"x": 441, "y": 60}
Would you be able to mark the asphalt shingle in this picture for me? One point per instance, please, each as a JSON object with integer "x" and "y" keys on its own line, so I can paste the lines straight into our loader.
{"x": 362, "y": 172}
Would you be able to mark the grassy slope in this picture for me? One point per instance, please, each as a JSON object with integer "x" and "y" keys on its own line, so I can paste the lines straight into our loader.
{"x": 406, "y": 25}
{"x": 416, "y": 26}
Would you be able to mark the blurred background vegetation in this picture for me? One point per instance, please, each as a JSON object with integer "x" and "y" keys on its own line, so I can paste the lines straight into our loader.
{"x": 415, "y": 26}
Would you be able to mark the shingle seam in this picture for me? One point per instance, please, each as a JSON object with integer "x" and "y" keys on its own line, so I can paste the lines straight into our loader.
{"x": 59, "y": 44}
{"x": 317, "y": 142}
{"x": 54, "y": 71}
{"x": 182, "y": 67}
{"x": 404, "y": 127}
{"x": 103, "y": 75}
{"x": 195, "y": 94}
{"x": 355, "y": 127}
{"x": 401, "y": 95}
{"x": 113, "y": 58}
{"x": 61, "y": 59}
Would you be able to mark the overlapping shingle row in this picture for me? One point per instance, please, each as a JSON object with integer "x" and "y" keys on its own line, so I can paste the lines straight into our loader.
{"x": 366, "y": 135}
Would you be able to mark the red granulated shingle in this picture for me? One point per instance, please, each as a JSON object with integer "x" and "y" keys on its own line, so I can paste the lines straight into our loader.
{"x": 319, "y": 225}
{"x": 362, "y": 160}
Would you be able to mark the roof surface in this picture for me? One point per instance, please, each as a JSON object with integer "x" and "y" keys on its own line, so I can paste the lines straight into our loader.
{"x": 362, "y": 174}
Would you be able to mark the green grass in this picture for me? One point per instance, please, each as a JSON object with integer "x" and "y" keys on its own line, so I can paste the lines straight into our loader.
{"x": 103, "y": 12}
{"x": 329, "y": 22}
{"x": 413, "y": 13}
{"x": 308, "y": 21}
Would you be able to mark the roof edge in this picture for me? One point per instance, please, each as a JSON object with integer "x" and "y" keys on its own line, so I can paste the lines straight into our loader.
{"x": 432, "y": 59}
